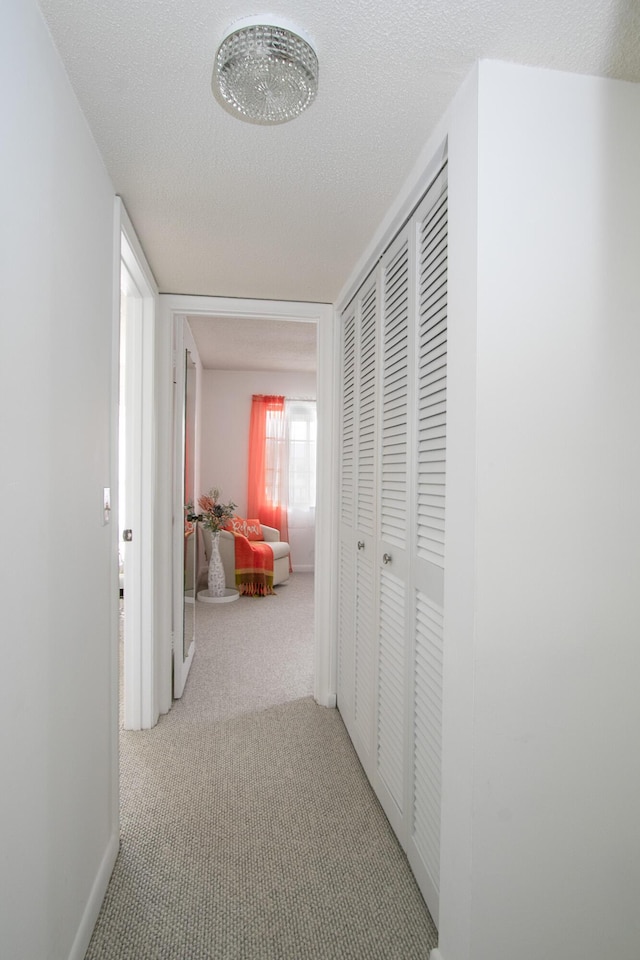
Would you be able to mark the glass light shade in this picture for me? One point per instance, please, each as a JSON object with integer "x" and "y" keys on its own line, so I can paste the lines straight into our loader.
{"x": 265, "y": 74}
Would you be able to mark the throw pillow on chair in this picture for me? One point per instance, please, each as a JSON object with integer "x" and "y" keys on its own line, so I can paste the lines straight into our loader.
{"x": 253, "y": 530}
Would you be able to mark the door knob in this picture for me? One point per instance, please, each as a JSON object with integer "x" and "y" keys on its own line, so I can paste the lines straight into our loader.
{"x": 386, "y": 558}
{"x": 360, "y": 544}
{"x": 127, "y": 536}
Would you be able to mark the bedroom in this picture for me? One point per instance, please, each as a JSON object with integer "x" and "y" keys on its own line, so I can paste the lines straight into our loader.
{"x": 233, "y": 361}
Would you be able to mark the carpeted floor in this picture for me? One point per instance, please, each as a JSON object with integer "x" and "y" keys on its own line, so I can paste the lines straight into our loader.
{"x": 249, "y": 831}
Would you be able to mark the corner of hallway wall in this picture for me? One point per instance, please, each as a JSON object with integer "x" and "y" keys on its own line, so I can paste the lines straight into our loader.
{"x": 460, "y": 560}
{"x": 543, "y": 401}
{"x": 59, "y": 606}
{"x": 558, "y": 611}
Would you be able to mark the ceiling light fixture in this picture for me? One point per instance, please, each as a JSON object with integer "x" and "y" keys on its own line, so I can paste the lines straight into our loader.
{"x": 265, "y": 73}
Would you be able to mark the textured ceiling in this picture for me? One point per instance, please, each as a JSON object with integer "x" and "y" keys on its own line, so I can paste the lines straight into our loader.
{"x": 231, "y": 344}
{"x": 233, "y": 209}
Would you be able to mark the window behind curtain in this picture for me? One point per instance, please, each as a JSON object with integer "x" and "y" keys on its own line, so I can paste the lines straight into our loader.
{"x": 301, "y": 513}
{"x": 275, "y": 458}
{"x": 282, "y": 470}
{"x": 301, "y": 422}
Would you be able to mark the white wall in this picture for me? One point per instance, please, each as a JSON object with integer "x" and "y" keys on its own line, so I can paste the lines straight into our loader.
{"x": 547, "y": 849}
{"x": 57, "y": 711}
{"x": 226, "y": 410}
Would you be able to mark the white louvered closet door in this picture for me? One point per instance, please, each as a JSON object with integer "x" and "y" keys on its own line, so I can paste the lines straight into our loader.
{"x": 423, "y": 845}
{"x": 358, "y": 510}
{"x": 394, "y": 540}
{"x": 366, "y": 512}
{"x": 392, "y": 521}
{"x": 346, "y": 560}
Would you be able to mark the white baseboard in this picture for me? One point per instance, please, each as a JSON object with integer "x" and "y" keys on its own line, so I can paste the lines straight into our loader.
{"x": 303, "y": 568}
{"x": 325, "y": 699}
{"x": 98, "y": 890}
{"x": 435, "y": 955}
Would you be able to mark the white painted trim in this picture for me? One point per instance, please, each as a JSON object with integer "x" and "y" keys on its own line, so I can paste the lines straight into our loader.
{"x": 114, "y": 658}
{"x": 326, "y": 635}
{"x": 98, "y": 890}
{"x": 303, "y": 568}
{"x": 181, "y": 666}
{"x": 173, "y": 305}
{"x": 132, "y": 239}
{"x": 164, "y": 510}
{"x": 141, "y": 701}
{"x": 183, "y": 340}
{"x": 241, "y": 309}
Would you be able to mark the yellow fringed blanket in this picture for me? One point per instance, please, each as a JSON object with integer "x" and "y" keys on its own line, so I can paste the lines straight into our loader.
{"x": 254, "y": 567}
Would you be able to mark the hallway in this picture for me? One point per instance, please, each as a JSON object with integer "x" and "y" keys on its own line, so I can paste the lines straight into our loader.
{"x": 248, "y": 827}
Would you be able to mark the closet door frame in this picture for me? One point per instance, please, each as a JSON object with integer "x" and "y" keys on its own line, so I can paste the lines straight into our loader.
{"x": 356, "y": 694}
{"x": 346, "y": 573}
{"x": 398, "y": 567}
{"x": 365, "y": 553}
{"x": 427, "y": 585}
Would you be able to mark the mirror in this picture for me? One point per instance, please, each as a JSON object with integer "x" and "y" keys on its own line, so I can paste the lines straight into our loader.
{"x": 190, "y": 527}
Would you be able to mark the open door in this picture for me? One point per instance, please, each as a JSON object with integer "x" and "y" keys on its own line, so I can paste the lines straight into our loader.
{"x": 136, "y": 484}
{"x": 185, "y": 494}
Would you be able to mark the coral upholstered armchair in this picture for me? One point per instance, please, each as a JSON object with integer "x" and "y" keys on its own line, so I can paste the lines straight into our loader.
{"x": 280, "y": 549}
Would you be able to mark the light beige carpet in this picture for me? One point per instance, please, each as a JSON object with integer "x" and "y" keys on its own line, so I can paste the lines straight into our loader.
{"x": 255, "y": 834}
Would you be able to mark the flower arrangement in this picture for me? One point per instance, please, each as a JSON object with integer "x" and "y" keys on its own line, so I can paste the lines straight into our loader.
{"x": 215, "y": 515}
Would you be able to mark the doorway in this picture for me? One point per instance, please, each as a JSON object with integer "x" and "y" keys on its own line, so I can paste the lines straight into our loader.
{"x": 212, "y": 433}
{"x": 176, "y": 310}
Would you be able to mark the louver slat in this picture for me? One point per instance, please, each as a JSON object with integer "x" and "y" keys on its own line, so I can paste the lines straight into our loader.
{"x": 345, "y": 631}
{"x": 364, "y": 649}
{"x": 348, "y": 421}
{"x": 391, "y": 654}
{"x": 348, "y": 486}
{"x": 432, "y": 383}
{"x": 427, "y": 733}
{"x": 395, "y": 347}
{"x": 366, "y": 493}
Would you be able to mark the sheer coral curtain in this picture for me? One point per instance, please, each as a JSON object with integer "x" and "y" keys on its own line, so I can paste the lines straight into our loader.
{"x": 267, "y": 493}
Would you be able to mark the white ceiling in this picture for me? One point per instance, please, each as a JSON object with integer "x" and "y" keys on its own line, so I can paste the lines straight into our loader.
{"x": 249, "y": 344}
{"x": 237, "y": 210}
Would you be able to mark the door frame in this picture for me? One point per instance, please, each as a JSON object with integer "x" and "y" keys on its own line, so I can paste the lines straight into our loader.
{"x": 140, "y": 698}
{"x": 174, "y": 307}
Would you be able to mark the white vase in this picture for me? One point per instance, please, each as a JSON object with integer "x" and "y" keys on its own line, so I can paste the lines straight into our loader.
{"x": 215, "y": 579}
